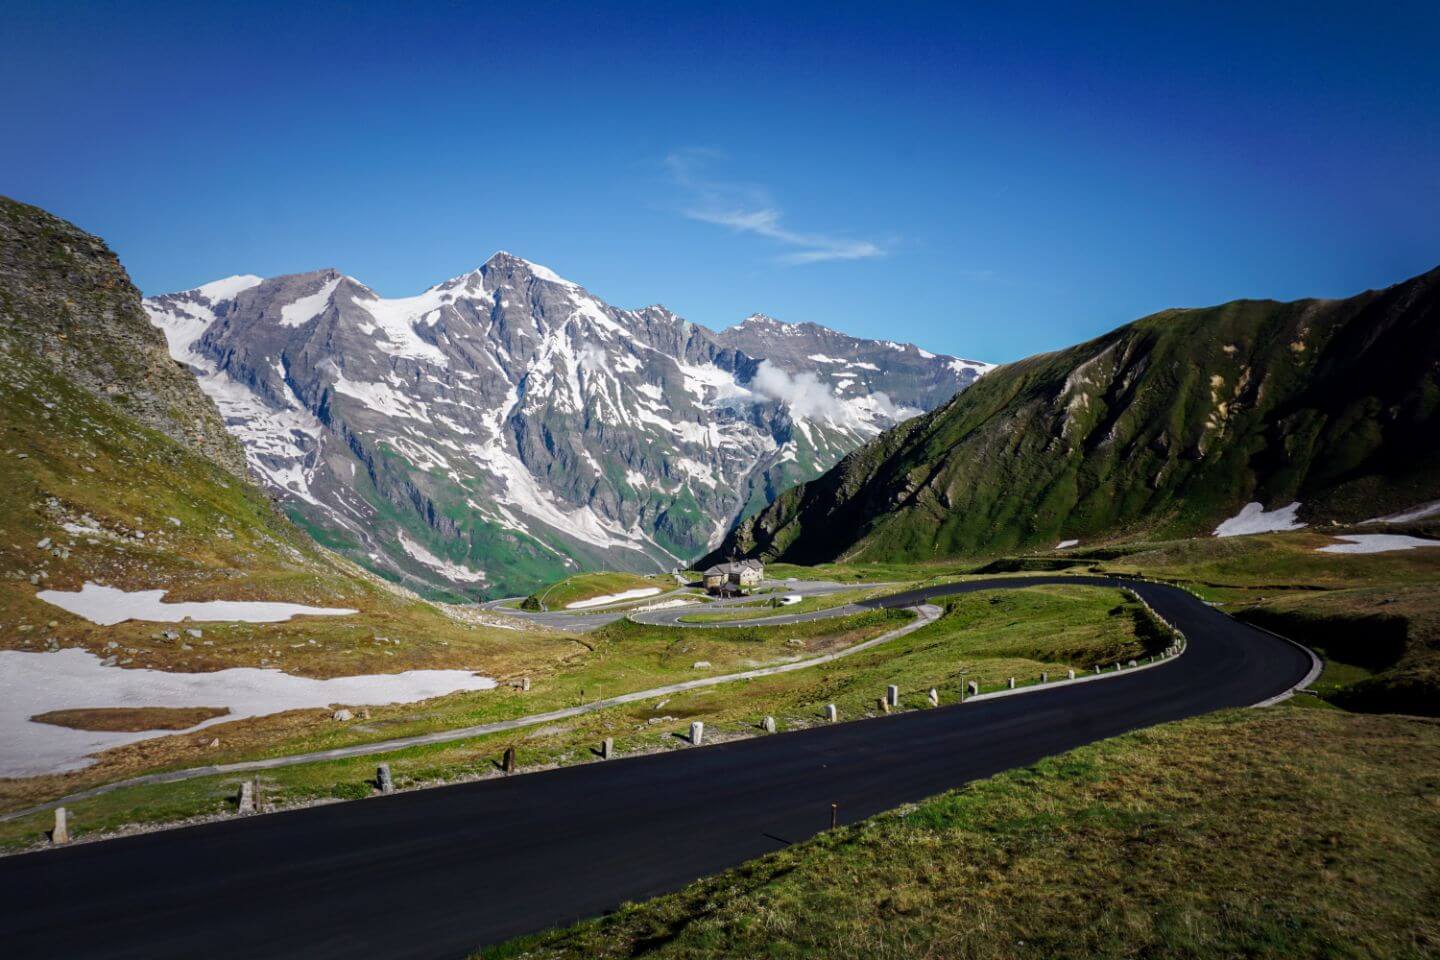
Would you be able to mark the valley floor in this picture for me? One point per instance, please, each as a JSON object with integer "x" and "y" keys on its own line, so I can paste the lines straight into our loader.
{"x": 983, "y": 638}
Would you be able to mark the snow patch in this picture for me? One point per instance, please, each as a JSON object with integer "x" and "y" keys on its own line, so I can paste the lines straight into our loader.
{"x": 305, "y": 309}
{"x": 36, "y": 683}
{"x": 975, "y": 366}
{"x": 1376, "y": 543}
{"x": 1253, "y": 518}
{"x": 1066, "y": 544}
{"x": 600, "y": 601}
{"x": 218, "y": 291}
{"x": 110, "y": 605}
{"x": 381, "y": 398}
{"x": 396, "y": 319}
{"x": 1415, "y": 513}
{"x": 542, "y": 272}
{"x": 457, "y": 572}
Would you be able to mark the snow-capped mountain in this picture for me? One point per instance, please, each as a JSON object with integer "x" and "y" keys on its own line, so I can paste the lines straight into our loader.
{"x": 506, "y": 426}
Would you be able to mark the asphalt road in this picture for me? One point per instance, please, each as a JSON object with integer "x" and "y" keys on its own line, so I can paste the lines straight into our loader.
{"x": 437, "y": 873}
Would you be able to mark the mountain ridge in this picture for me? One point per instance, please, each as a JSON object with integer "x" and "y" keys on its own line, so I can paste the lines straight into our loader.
{"x": 505, "y": 426}
{"x": 1167, "y": 425}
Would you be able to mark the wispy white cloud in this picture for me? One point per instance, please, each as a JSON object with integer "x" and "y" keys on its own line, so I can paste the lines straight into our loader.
{"x": 747, "y": 208}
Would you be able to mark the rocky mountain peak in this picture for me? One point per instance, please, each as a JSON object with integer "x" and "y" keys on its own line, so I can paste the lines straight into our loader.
{"x": 507, "y": 426}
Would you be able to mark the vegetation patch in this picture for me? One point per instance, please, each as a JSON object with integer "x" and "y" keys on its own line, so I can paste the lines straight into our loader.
{"x": 1258, "y": 833}
{"x": 589, "y": 586}
{"x": 1042, "y": 628}
{"x": 130, "y": 719}
{"x": 1375, "y": 618}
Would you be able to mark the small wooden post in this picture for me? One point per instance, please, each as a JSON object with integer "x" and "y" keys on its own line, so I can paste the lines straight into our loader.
{"x": 61, "y": 833}
{"x": 509, "y": 762}
{"x": 883, "y": 704}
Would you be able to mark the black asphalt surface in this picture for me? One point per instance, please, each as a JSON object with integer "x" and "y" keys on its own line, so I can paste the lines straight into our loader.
{"x": 438, "y": 873}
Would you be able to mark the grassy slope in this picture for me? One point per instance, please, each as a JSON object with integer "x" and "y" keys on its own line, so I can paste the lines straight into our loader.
{"x": 1045, "y": 628}
{"x": 101, "y": 432}
{"x": 1162, "y": 427}
{"x": 1275, "y": 833}
{"x": 767, "y": 606}
{"x": 207, "y": 535}
{"x": 586, "y": 586}
{"x": 1375, "y": 618}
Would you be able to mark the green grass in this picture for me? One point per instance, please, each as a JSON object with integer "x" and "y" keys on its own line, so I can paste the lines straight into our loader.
{"x": 1028, "y": 631}
{"x": 1163, "y": 427}
{"x": 766, "y": 606}
{"x": 1375, "y": 618}
{"x": 1278, "y": 833}
{"x": 587, "y": 586}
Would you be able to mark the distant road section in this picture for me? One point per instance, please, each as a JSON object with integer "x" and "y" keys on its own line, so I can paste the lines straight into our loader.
{"x": 438, "y": 873}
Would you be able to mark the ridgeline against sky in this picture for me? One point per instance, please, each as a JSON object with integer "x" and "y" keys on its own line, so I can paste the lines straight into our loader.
{"x": 988, "y": 184}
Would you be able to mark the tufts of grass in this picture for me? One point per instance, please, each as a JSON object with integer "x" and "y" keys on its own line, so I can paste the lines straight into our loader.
{"x": 1279, "y": 833}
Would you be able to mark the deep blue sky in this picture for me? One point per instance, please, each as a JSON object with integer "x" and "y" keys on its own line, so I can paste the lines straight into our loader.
{"x": 985, "y": 183}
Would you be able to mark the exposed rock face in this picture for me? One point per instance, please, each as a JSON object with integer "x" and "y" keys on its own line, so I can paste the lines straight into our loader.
{"x": 506, "y": 427}
{"x": 1166, "y": 426}
{"x": 66, "y": 301}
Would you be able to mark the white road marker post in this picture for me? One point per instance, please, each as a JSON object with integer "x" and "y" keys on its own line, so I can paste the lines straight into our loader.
{"x": 831, "y": 713}
{"x": 892, "y": 694}
{"x": 769, "y": 724}
{"x": 607, "y": 748}
{"x": 245, "y": 803}
{"x": 61, "y": 833}
{"x": 934, "y": 697}
{"x": 974, "y": 688}
{"x": 382, "y": 778}
{"x": 697, "y": 733}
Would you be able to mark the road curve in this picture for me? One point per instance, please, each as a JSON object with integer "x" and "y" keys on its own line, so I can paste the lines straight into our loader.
{"x": 437, "y": 873}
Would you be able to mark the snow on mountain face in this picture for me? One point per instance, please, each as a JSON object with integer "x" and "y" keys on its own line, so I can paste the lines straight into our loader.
{"x": 506, "y": 426}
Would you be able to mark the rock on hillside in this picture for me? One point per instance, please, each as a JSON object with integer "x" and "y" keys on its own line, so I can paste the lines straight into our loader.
{"x": 66, "y": 302}
{"x": 1169, "y": 425}
{"x": 507, "y": 428}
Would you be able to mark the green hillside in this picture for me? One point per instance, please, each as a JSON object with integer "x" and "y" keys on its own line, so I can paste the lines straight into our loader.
{"x": 1164, "y": 427}
{"x": 116, "y": 469}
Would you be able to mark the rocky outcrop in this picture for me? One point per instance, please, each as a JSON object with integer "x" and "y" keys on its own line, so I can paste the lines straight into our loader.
{"x": 66, "y": 302}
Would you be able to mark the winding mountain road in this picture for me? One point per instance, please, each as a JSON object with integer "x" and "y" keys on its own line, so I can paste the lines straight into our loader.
{"x": 437, "y": 873}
